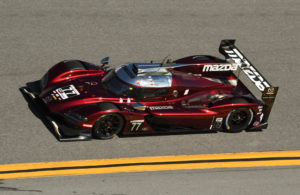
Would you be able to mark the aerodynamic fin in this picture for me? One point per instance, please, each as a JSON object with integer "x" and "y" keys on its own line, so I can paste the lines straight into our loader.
{"x": 268, "y": 96}
{"x": 235, "y": 56}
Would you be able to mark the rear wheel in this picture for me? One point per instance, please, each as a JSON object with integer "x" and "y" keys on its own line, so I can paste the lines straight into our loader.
{"x": 238, "y": 119}
{"x": 108, "y": 125}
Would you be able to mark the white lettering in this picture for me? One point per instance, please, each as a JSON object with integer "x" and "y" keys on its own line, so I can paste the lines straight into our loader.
{"x": 161, "y": 107}
{"x": 271, "y": 91}
{"x": 136, "y": 124}
{"x": 186, "y": 92}
{"x": 249, "y": 70}
{"x": 67, "y": 92}
{"x": 260, "y": 113}
{"x": 219, "y": 67}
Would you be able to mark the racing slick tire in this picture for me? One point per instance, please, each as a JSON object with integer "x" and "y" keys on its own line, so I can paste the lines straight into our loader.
{"x": 238, "y": 119}
{"x": 108, "y": 125}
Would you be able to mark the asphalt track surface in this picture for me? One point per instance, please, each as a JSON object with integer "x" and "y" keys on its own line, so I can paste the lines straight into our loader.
{"x": 266, "y": 181}
{"x": 35, "y": 35}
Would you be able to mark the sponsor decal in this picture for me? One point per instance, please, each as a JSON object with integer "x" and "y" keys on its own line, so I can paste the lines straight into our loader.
{"x": 256, "y": 123}
{"x": 161, "y": 107}
{"x": 219, "y": 67}
{"x": 218, "y": 122}
{"x": 271, "y": 91}
{"x": 260, "y": 113}
{"x": 136, "y": 125}
{"x": 248, "y": 69}
{"x": 186, "y": 91}
{"x": 66, "y": 92}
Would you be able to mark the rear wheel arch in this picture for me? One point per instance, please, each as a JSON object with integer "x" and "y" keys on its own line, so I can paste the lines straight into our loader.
{"x": 236, "y": 100}
{"x": 231, "y": 100}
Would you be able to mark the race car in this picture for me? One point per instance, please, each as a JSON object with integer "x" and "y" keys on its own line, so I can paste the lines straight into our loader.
{"x": 192, "y": 94}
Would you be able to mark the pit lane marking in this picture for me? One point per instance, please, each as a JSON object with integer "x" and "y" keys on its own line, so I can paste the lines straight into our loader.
{"x": 159, "y": 163}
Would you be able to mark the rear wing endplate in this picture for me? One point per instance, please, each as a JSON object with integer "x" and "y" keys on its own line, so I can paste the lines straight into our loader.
{"x": 235, "y": 56}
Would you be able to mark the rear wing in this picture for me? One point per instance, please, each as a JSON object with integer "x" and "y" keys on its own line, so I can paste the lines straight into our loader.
{"x": 235, "y": 56}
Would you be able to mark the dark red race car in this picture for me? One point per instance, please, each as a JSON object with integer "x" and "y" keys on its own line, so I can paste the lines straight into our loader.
{"x": 195, "y": 93}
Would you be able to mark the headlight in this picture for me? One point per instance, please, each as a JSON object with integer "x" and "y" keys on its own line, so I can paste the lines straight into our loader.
{"x": 76, "y": 117}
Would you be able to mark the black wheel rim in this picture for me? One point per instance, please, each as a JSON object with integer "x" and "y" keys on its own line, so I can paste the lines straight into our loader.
{"x": 109, "y": 125}
{"x": 239, "y": 119}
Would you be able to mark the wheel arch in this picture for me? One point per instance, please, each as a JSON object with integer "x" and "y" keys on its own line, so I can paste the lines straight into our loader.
{"x": 104, "y": 106}
{"x": 60, "y": 71}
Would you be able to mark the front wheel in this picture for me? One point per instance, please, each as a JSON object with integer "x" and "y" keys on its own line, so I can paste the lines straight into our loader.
{"x": 108, "y": 125}
{"x": 238, "y": 119}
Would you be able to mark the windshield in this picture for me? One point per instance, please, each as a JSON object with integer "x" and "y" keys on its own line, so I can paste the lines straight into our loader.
{"x": 113, "y": 84}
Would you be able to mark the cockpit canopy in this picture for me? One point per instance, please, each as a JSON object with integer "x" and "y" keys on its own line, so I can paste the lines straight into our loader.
{"x": 145, "y": 75}
{"x": 139, "y": 81}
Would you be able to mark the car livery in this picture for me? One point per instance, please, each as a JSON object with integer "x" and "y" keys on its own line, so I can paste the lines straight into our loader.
{"x": 194, "y": 93}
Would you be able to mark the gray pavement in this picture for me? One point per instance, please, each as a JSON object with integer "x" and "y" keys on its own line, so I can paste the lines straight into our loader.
{"x": 260, "y": 181}
{"x": 36, "y": 34}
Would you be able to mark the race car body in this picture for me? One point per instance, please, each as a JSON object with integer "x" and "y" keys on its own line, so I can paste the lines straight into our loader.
{"x": 195, "y": 93}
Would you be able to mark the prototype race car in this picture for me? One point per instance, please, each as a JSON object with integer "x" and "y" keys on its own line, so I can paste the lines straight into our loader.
{"x": 195, "y": 93}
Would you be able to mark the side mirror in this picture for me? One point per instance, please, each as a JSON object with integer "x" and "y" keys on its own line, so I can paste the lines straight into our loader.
{"x": 139, "y": 106}
{"x": 105, "y": 61}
